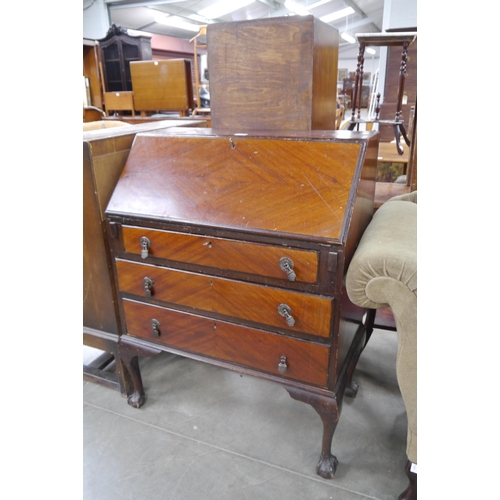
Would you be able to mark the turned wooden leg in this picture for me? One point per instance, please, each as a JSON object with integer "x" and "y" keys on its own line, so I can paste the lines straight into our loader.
{"x": 411, "y": 491}
{"x": 132, "y": 375}
{"x": 329, "y": 412}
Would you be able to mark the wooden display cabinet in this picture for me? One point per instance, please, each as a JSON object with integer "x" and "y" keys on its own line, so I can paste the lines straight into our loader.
{"x": 117, "y": 50}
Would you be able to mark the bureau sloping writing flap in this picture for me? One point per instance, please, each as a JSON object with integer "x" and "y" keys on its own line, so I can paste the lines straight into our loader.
{"x": 302, "y": 184}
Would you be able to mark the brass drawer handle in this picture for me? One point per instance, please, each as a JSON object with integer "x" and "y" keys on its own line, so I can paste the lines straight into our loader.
{"x": 148, "y": 286}
{"x": 286, "y": 265}
{"x": 282, "y": 367}
{"x": 145, "y": 244}
{"x": 155, "y": 328}
{"x": 285, "y": 311}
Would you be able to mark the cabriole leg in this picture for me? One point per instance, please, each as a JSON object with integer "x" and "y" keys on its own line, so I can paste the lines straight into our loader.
{"x": 133, "y": 381}
{"x": 328, "y": 410}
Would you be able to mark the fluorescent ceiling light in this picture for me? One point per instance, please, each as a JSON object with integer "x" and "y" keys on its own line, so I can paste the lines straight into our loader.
{"x": 348, "y": 38}
{"x": 298, "y": 9}
{"x": 371, "y": 51}
{"x": 317, "y": 4}
{"x": 337, "y": 15}
{"x": 176, "y": 22}
{"x": 223, "y": 7}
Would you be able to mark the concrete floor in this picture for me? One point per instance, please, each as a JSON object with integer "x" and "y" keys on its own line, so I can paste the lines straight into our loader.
{"x": 209, "y": 433}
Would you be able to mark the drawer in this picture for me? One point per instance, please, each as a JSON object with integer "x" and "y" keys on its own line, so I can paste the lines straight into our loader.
{"x": 305, "y": 361}
{"x": 256, "y": 303}
{"x": 253, "y": 258}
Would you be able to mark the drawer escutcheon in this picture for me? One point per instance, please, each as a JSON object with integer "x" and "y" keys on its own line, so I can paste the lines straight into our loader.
{"x": 282, "y": 367}
{"x": 155, "y": 328}
{"x": 145, "y": 244}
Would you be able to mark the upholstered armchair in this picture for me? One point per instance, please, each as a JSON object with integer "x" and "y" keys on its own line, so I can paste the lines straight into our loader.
{"x": 383, "y": 272}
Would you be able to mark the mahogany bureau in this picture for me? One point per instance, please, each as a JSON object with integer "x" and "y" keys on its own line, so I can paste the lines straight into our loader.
{"x": 232, "y": 250}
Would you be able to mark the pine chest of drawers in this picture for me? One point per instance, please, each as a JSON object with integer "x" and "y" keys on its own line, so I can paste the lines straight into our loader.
{"x": 232, "y": 249}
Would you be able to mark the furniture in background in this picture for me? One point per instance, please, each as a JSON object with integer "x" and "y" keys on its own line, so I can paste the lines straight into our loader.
{"x": 273, "y": 74}
{"x": 224, "y": 256}
{"x": 91, "y": 72}
{"x": 162, "y": 86}
{"x": 392, "y": 40}
{"x": 119, "y": 101}
{"x": 383, "y": 272}
{"x": 199, "y": 42}
{"x": 117, "y": 50}
{"x": 387, "y": 190}
{"x": 104, "y": 155}
{"x": 91, "y": 114}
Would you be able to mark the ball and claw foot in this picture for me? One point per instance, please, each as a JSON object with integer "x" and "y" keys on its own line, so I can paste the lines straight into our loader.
{"x": 327, "y": 466}
{"x": 351, "y": 389}
{"x": 136, "y": 400}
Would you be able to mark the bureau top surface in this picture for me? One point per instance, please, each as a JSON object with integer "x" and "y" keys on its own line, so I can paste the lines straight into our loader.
{"x": 301, "y": 184}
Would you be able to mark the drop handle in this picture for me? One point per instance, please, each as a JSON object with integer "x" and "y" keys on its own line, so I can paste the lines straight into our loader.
{"x": 285, "y": 311}
{"x": 145, "y": 244}
{"x": 148, "y": 286}
{"x": 155, "y": 328}
{"x": 282, "y": 367}
{"x": 286, "y": 265}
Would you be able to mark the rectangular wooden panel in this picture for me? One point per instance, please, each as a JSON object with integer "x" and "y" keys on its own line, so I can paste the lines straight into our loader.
{"x": 270, "y": 185}
{"x": 273, "y": 74}
{"x": 306, "y": 361}
{"x": 256, "y": 303}
{"x": 117, "y": 101}
{"x": 262, "y": 260}
{"x": 162, "y": 85}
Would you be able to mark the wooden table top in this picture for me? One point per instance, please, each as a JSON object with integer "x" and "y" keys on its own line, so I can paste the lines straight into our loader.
{"x": 387, "y": 152}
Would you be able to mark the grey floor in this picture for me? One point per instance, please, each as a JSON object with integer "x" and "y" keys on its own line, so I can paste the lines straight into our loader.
{"x": 209, "y": 433}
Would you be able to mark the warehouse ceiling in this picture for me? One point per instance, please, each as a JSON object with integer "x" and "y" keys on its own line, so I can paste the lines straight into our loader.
{"x": 139, "y": 15}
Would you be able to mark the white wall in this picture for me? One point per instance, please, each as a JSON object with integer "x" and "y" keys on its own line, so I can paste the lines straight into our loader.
{"x": 95, "y": 19}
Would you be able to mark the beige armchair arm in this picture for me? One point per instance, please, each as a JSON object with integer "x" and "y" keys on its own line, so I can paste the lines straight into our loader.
{"x": 383, "y": 272}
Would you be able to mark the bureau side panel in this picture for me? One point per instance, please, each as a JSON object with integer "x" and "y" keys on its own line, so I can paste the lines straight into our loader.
{"x": 97, "y": 283}
{"x": 362, "y": 210}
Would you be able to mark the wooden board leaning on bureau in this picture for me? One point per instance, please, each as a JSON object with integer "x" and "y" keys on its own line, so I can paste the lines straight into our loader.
{"x": 232, "y": 248}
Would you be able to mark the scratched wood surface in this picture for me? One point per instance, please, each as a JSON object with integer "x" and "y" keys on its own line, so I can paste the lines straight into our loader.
{"x": 271, "y": 185}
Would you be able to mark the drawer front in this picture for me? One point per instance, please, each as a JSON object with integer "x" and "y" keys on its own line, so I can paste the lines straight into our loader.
{"x": 257, "y": 303}
{"x": 253, "y": 258}
{"x": 305, "y": 361}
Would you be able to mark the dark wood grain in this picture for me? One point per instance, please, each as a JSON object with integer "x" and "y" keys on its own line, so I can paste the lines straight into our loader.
{"x": 235, "y": 299}
{"x": 300, "y": 187}
{"x": 220, "y": 253}
{"x": 306, "y": 361}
